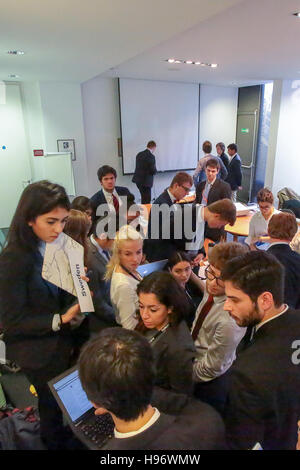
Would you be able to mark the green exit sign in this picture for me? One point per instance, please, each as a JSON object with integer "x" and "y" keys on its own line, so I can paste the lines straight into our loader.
{"x": 244, "y": 130}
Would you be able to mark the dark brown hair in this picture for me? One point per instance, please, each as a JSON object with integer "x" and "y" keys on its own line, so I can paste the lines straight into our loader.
{"x": 207, "y": 146}
{"x": 151, "y": 144}
{"x": 225, "y": 208}
{"x": 77, "y": 227}
{"x": 283, "y": 226}
{"x": 265, "y": 195}
{"x": 181, "y": 178}
{"x": 213, "y": 162}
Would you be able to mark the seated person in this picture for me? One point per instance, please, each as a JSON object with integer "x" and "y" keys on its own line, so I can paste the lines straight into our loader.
{"x": 121, "y": 271}
{"x": 212, "y": 190}
{"x": 116, "y": 371}
{"x": 83, "y": 204}
{"x": 180, "y": 266}
{"x": 162, "y": 307}
{"x": 109, "y": 194}
{"x": 100, "y": 246}
{"x": 282, "y": 228}
{"x": 215, "y": 333}
{"x": 259, "y": 222}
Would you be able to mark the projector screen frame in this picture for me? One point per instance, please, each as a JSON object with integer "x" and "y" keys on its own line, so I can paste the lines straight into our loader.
{"x": 159, "y": 171}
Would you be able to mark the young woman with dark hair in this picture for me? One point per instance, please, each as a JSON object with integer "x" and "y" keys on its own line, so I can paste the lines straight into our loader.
{"x": 162, "y": 305}
{"x": 180, "y": 266}
{"x": 36, "y": 314}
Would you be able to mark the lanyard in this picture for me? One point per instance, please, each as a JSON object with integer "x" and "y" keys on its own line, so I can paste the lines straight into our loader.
{"x": 158, "y": 334}
{"x": 130, "y": 273}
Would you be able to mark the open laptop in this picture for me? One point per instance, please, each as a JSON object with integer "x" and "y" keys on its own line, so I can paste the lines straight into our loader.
{"x": 145, "y": 269}
{"x": 93, "y": 431}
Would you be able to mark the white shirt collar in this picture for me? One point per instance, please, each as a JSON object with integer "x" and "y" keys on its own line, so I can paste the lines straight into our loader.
{"x": 272, "y": 318}
{"x": 152, "y": 420}
{"x": 173, "y": 198}
{"x": 232, "y": 156}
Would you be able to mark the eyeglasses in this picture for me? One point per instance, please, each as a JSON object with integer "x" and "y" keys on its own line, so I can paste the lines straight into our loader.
{"x": 187, "y": 190}
{"x": 210, "y": 276}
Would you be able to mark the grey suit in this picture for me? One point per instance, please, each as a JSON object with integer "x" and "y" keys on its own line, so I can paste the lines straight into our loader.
{"x": 104, "y": 315}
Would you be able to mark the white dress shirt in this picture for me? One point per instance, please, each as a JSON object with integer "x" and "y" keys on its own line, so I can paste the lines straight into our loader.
{"x": 109, "y": 198}
{"x": 217, "y": 341}
{"x": 124, "y": 299}
{"x": 258, "y": 226}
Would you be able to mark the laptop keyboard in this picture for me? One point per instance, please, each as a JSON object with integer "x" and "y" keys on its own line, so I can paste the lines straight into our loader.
{"x": 99, "y": 430}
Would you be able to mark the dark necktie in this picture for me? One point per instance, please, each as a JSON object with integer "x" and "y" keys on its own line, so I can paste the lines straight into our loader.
{"x": 202, "y": 315}
{"x": 106, "y": 254}
{"x": 115, "y": 203}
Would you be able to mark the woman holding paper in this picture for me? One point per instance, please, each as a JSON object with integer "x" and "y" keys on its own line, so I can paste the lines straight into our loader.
{"x": 35, "y": 314}
{"x": 122, "y": 270}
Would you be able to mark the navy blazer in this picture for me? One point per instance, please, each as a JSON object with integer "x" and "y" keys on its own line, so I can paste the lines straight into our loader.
{"x": 234, "y": 177}
{"x": 145, "y": 168}
{"x": 264, "y": 401}
{"x": 196, "y": 427}
{"x": 291, "y": 261}
{"x": 28, "y": 304}
{"x": 98, "y": 198}
{"x": 219, "y": 190}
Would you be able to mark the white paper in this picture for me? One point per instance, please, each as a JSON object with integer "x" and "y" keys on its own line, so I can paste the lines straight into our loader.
{"x": 63, "y": 266}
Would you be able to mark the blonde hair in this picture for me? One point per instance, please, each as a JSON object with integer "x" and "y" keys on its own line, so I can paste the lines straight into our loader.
{"x": 126, "y": 233}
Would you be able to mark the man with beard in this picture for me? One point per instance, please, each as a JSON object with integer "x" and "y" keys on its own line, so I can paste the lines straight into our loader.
{"x": 264, "y": 402}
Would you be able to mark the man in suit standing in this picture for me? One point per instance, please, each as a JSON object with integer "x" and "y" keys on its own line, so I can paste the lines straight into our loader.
{"x": 234, "y": 177}
{"x": 212, "y": 190}
{"x": 117, "y": 373}
{"x": 109, "y": 194}
{"x": 282, "y": 229}
{"x": 145, "y": 168}
{"x": 264, "y": 402}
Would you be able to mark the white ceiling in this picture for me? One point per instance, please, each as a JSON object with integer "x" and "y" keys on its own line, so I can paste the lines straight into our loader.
{"x": 252, "y": 41}
{"x": 77, "y": 40}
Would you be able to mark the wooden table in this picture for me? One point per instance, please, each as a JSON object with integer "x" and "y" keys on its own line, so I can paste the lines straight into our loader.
{"x": 240, "y": 228}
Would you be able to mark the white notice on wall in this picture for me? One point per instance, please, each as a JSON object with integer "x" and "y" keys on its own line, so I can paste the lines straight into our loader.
{"x": 63, "y": 266}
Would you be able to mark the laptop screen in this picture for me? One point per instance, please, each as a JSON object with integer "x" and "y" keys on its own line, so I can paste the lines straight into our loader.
{"x": 72, "y": 395}
{"x": 145, "y": 269}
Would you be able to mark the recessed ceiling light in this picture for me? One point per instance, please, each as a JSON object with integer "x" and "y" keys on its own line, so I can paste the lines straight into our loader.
{"x": 297, "y": 14}
{"x": 214, "y": 65}
{"x": 171, "y": 61}
{"x": 188, "y": 62}
{"x": 178, "y": 61}
{"x": 16, "y": 52}
{"x": 197, "y": 63}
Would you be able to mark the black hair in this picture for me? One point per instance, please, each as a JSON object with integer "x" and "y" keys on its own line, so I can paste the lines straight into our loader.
{"x": 37, "y": 199}
{"x": 254, "y": 273}
{"x": 106, "y": 170}
{"x": 117, "y": 372}
{"x": 178, "y": 257}
{"x": 168, "y": 292}
{"x": 232, "y": 147}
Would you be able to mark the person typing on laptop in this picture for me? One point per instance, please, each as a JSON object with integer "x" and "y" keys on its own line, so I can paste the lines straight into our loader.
{"x": 116, "y": 371}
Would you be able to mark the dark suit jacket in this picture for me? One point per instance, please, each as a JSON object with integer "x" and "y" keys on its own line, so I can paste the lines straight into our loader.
{"x": 104, "y": 315}
{"x": 291, "y": 262}
{"x": 264, "y": 400}
{"x": 174, "y": 352}
{"x": 197, "y": 427}
{"x": 28, "y": 304}
{"x": 145, "y": 168}
{"x": 98, "y": 198}
{"x": 158, "y": 249}
{"x": 234, "y": 177}
{"x": 219, "y": 190}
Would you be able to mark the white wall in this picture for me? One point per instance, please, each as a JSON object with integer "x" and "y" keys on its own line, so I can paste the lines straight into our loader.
{"x": 63, "y": 119}
{"x": 284, "y": 154}
{"x": 218, "y": 115}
